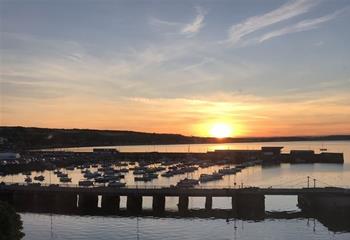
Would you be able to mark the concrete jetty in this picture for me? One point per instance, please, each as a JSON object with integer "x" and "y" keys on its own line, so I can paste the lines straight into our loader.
{"x": 247, "y": 203}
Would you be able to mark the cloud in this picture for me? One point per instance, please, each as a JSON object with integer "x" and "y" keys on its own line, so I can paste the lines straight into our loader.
{"x": 319, "y": 43}
{"x": 287, "y": 11}
{"x": 199, "y": 64}
{"x": 138, "y": 71}
{"x": 178, "y": 28}
{"x": 194, "y": 27}
{"x": 300, "y": 26}
{"x": 162, "y": 23}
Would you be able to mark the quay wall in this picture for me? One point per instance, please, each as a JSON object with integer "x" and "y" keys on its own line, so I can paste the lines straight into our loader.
{"x": 44, "y": 160}
{"x": 235, "y": 156}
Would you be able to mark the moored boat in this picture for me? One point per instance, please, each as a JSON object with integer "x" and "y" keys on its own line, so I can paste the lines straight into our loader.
{"x": 116, "y": 184}
{"x": 228, "y": 171}
{"x": 86, "y": 183}
{"x": 210, "y": 177}
{"x": 39, "y": 178}
{"x": 90, "y": 175}
{"x": 70, "y": 168}
{"x": 60, "y": 175}
{"x": 187, "y": 183}
{"x": 65, "y": 179}
{"x": 167, "y": 174}
{"x": 28, "y": 179}
{"x": 146, "y": 177}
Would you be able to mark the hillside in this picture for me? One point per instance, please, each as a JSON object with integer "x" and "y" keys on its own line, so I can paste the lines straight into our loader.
{"x": 22, "y": 138}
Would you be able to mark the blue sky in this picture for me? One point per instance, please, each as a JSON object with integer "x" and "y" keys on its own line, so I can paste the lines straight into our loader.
{"x": 264, "y": 67}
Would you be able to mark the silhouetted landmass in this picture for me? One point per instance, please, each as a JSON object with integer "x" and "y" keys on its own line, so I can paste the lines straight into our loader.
{"x": 22, "y": 138}
{"x": 10, "y": 223}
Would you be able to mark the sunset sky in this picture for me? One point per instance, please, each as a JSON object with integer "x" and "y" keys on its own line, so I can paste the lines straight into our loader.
{"x": 263, "y": 68}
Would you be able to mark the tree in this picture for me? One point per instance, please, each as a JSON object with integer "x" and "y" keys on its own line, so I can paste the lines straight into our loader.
{"x": 10, "y": 223}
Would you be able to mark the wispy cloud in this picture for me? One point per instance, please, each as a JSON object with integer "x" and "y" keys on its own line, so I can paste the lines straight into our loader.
{"x": 287, "y": 11}
{"x": 194, "y": 27}
{"x": 300, "y": 26}
{"x": 160, "y": 23}
{"x": 196, "y": 65}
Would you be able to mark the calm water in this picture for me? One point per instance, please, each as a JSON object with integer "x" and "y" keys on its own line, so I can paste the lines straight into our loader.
{"x": 284, "y": 175}
{"x": 308, "y": 145}
{"x": 41, "y": 226}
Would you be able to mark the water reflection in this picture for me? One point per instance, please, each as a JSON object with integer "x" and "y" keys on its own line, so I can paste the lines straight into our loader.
{"x": 38, "y": 227}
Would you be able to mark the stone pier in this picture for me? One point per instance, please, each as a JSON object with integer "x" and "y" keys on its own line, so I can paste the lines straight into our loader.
{"x": 250, "y": 206}
{"x": 6, "y": 196}
{"x": 331, "y": 210}
{"x": 88, "y": 202}
{"x": 44, "y": 202}
{"x": 134, "y": 203}
{"x": 65, "y": 202}
{"x": 158, "y": 204}
{"x": 208, "y": 203}
{"x": 183, "y": 204}
{"x": 23, "y": 201}
{"x": 234, "y": 205}
{"x": 325, "y": 204}
{"x": 110, "y": 204}
{"x": 247, "y": 203}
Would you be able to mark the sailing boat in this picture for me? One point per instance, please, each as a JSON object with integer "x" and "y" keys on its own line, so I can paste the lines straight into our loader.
{"x": 323, "y": 149}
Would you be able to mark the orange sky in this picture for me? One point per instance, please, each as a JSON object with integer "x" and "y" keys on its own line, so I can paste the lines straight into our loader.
{"x": 246, "y": 115}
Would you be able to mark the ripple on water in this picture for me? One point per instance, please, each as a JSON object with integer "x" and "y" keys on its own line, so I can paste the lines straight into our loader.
{"x": 38, "y": 227}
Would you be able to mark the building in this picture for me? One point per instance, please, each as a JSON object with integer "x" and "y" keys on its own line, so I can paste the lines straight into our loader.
{"x": 271, "y": 154}
{"x": 302, "y": 156}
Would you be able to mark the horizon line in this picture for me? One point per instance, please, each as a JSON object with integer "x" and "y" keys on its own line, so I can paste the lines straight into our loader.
{"x": 167, "y": 133}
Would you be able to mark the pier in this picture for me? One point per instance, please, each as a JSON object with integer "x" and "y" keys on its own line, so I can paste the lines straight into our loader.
{"x": 247, "y": 203}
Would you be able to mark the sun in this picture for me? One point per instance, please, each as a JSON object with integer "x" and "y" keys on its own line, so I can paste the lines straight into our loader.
{"x": 221, "y": 130}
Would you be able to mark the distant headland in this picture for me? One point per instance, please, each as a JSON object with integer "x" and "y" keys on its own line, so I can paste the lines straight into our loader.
{"x": 23, "y": 138}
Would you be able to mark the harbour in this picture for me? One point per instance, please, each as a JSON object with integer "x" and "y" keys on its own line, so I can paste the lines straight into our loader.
{"x": 282, "y": 175}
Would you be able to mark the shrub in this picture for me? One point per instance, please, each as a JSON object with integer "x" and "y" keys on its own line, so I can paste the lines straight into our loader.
{"x": 10, "y": 223}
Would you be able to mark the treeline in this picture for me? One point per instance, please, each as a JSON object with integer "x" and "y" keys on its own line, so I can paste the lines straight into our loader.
{"x": 23, "y": 138}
